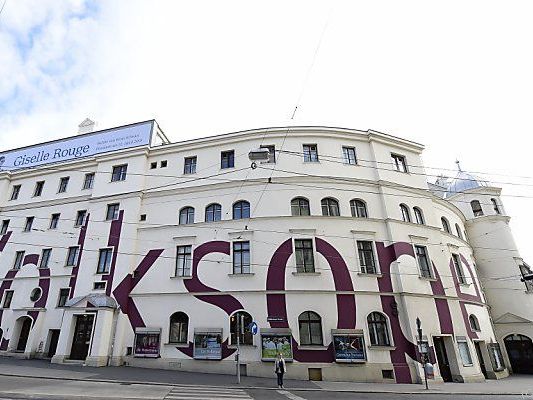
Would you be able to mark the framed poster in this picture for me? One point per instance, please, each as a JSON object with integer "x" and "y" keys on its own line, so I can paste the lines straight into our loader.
{"x": 208, "y": 345}
{"x": 272, "y": 344}
{"x": 349, "y": 348}
{"x": 147, "y": 344}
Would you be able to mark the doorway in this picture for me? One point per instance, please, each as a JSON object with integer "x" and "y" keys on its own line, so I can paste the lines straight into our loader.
{"x": 477, "y": 346}
{"x": 24, "y": 334}
{"x": 442, "y": 359}
{"x": 82, "y": 337}
{"x": 520, "y": 351}
{"x": 54, "y": 338}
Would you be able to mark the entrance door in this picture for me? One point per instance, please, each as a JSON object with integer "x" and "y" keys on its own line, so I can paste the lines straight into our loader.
{"x": 442, "y": 359}
{"x": 477, "y": 345}
{"x": 82, "y": 337}
{"x": 520, "y": 351}
{"x": 24, "y": 334}
{"x": 54, "y": 338}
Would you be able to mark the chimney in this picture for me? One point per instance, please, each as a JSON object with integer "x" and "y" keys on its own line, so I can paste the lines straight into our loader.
{"x": 86, "y": 126}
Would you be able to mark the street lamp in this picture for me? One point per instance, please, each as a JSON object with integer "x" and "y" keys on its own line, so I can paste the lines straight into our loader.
{"x": 259, "y": 154}
{"x": 422, "y": 349}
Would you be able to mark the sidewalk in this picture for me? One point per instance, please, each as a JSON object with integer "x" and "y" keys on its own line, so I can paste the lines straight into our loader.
{"x": 514, "y": 385}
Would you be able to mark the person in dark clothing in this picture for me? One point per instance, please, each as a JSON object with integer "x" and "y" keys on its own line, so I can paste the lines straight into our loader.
{"x": 280, "y": 369}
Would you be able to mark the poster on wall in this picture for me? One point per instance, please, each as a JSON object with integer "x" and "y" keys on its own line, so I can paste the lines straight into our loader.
{"x": 147, "y": 344}
{"x": 349, "y": 348}
{"x": 208, "y": 345}
{"x": 272, "y": 344}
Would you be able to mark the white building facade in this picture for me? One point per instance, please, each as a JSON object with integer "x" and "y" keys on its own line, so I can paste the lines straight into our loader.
{"x": 132, "y": 250}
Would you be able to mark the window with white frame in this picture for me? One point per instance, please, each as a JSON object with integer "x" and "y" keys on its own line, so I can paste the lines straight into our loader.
{"x": 458, "y": 230}
{"x": 241, "y": 257}
{"x": 187, "y": 215}
{"x": 464, "y": 351}
{"x": 105, "y": 257}
{"x": 367, "y": 259}
{"x": 476, "y": 208}
{"x": 119, "y": 173}
{"x": 310, "y": 326}
{"x": 72, "y": 256}
{"x": 241, "y": 210}
{"x": 5, "y": 226}
{"x": 310, "y": 152}
{"x": 54, "y": 221}
{"x": 179, "y": 328}
{"x": 526, "y": 271}
{"x": 348, "y": 153}
{"x": 112, "y": 211}
{"x": 88, "y": 182}
{"x": 445, "y": 225}
{"x": 419, "y": 216}
{"x": 80, "y": 217}
{"x": 399, "y": 163}
{"x": 378, "y": 329}
{"x": 406, "y": 215}
{"x": 213, "y": 212}
{"x": 63, "y": 184}
{"x": 227, "y": 159}
{"x": 300, "y": 206}
{"x": 330, "y": 207}
{"x": 358, "y": 208}
{"x": 305, "y": 260}
{"x": 424, "y": 264}
{"x": 45, "y": 258}
{"x": 8, "y": 298}
{"x": 474, "y": 323}
{"x": 64, "y": 294}
{"x": 189, "y": 165}
{"x": 458, "y": 266}
{"x": 38, "y": 189}
{"x": 184, "y": 260}
{"x": 29, "y": 223}
{"x": 15, "y": 192}
{"x": 495, "y": 206}
{"x": 19, "y": 258}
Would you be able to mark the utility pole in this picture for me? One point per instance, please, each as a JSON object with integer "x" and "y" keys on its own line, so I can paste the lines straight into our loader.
{"x": 421, "y": 348}
{"x": 238, "y": 334}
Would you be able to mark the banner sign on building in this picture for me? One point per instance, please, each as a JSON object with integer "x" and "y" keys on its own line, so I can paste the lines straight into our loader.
{"x": 80, "y": 146}
{"x": 349, "y": 348}
{"x": 147, "y": 344}
{"x": 208, "y": 345}
{"x": 272, "y": 344}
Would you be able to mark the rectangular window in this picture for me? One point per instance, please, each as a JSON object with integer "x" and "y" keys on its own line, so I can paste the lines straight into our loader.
{"x": 227, "y": 159}
{"x": 305, "y": 260}
{"x": 163, "y": 164}
{"x": 458, "y": 268}
{"x": 525, "y": 270}
{"x": 15, "y": 192}
{"x": 8, "y": 296}
{"x": 89, "y": 181}
{"x": 104, "y": 261}
{"x": 464, "y": 351}
{"x": 45, "y": 258}
{"x": 80, "y": 217}
{"x": 54, "y": 220}
{"x": 184, "y": 261}
{"x": 366, "y": 257}
{"x": 100, "y": 285}
{"x": 64, "y": 294}
{"x": 271, "y": 154}
{"x": 399, "y": 162}
{"x": 190, "y": 165}
{"x": 38, "y": 189}
{"x": 5, "y": 226}
{"x": 119, "y": 173}
{"x": 423, "y": 261}
{"x": 153, "y": 165}
{"x": 241, "y": 257}
{"x": 348, "y": 153}
{"x": 72, "y": 256}
{"x": 112, "y": 211}
{"x": 28, "y": 224}
{"x": 310, "y": 152}
{"x": 19, "y": 258}
{"x": 63, "y": 184}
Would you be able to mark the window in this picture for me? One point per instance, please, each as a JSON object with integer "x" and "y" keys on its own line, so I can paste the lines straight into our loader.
{"x": 38, "y": 189}
{"x": 423, "y": 261}
{"x": 476, "y": 208}
{"x": 367, "y": 260}
{"x": 305, "y": 260}
{"x": 406, "y": 215}
{"x": 445, "y": 225}
{"x": 213, "y": 212}
{"x": 241, "y": 257}
{"x": 119, "y": 173}
{"x": 399, "y": 163}
{"x": 458, "y": 230}
{"x": 28, "y": 224}
{"x": 45, "y": 258}
{"x": 378, "y": 329}
{"x": 36, "y": 294}
{"x": 271, "y": 154}
{"x": 189, "y": 165}
{"x": 419, "y": 217}
{"x": 458, "y": 268}
{"x": 5, "y": 225}
{"x": 474, "y": 323}
{"x": 104, "y": 261}
{"x": 163, "y": 164}
{"x": 63, "y": 184}
{"x": 112, "y": 211}
{"x": 80, "y": 217}
{"x": 239, "y": 323}
{"x": 142, "y": 217}
{"x": 100, "y": 285}
{"x": 15, "y": 192}
{"x": 300, "y": 206}
{"x": 186, "y": 216}
{"x": 54, "y": 220}
{"x": 464, "y": 351}
{"x": 310, "y": 326}
{"x": 358, "y": 208}
{"x": 241, "y": 209}
{"x": 89, "y": 181}
{"x": 184, "y": 261}
{"x": 348, "y": 154}
{"x": 178, "y": 328}
{"x": 227, "y": 159}
{"x": 8, "y": 297}
{"x": 525, "y": 270}
{"x": 64, "y": 294}
{"x": 495, "y": 206}
{"x": 19, "y": 258}
{"x": 330, "y": 207}
{"x": 72, "y": 256}
{"x": 310, "y": 153}
{"x": 153, "y": 165}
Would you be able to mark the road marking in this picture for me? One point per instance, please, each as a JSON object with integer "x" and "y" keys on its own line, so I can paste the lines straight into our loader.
{"x": 206, "y": 393}
{"x": 290, "y": 395}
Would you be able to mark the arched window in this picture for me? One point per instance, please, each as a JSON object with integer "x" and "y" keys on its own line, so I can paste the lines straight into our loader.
{"x": 300, "y": 206}
{"x": 330, "y": 207}
{"x": 241, "y": 209}
{"x": 419, "y": 217}
{"x": 179, "y": 328}
{"x": 358, "y": 208}
{"x": 458, "y": 230}
{"x": 187, "y": 216}
{"x": 239, "y": 323}
{"x": 378, "y": 329}
{"x": 476, "y": 208}
{"x": 445, "y": 225}
{"x": 310, "y": 325}
{"x": 474, "y": 323}
{"x": 213, "y": 212}
{"x": 495, "y": 205}
{"x": 406, "y": 215}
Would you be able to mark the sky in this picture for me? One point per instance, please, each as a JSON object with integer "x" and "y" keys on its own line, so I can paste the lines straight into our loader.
{"x": 455, "y": 75}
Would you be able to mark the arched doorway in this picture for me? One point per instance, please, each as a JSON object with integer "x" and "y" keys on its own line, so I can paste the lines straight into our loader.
{"x": 24, "y": 333}
{"x": 520, "y": 352}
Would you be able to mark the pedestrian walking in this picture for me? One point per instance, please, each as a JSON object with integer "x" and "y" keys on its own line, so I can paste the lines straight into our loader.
{"x": 280, "y": 369}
